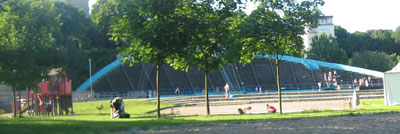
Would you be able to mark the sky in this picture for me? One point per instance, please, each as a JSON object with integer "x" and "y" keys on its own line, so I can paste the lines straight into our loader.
{"x": 357, "y": 15}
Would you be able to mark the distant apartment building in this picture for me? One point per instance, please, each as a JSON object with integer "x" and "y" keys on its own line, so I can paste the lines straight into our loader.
{"x": 81, "y": 4}
{"x": 325, "y": 25}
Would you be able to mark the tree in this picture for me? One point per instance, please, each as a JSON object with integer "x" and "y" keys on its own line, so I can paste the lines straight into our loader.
{"x": 152, "y": 30}
{"x": 374, "y": 60}
{"x": 212, "y": 29}
{"x": 327, "y": 49}
{"x": 372, "y": 40}
{"x": 355, "y": 42}
{"x": 396, "y": 35}
{"x": 26, "y": 42}
{"x": 381, "y": 40}
{"x": 82, "y": 40}
{"x": 275, "y": 28}
{"x": 340, "y": 34}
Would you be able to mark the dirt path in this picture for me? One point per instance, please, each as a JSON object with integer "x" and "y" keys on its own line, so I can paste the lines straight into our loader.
{"x": 260, "y": 108}
{"x": 360, "y": 124}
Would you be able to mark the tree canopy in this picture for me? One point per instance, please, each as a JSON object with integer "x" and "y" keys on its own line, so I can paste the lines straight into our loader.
{"x": 27, "y": 42}
{"x": 275, "y": 28}
{"x": 374, "y": 60}
{"x": 326, "y": 48}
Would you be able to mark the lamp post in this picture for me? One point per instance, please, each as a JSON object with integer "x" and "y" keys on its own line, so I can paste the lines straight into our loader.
{"x": 90, "y": 78}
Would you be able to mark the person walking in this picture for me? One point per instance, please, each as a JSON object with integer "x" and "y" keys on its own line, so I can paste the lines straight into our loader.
{"x": 227, "y": 88}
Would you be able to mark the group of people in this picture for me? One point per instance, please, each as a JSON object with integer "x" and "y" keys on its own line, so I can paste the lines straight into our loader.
{"x": 244, "y": 110}
{"x": 330, "y": 81}
{"x": 361, "y": 82}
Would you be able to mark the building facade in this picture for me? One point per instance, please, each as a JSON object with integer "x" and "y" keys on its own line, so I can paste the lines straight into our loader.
{"x": 325, "y": 25}
{"x": 81, "y": 4}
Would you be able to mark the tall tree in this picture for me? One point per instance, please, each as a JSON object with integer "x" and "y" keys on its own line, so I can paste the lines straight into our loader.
{"x": 152, "y": 29}
{"x": 275, "y": 29}
{"x": 327, "y": 49}
{"x": 381, "y": 40}
{"x": 354, "y": 42}
{"x": 26, "y": 42}
{"x": 82, "y": 40}
{"x": 374, "y": 60}
{"x": 396, "y": 35}
{"x": 211, "y": 27}
{"x": 340, "y": 34}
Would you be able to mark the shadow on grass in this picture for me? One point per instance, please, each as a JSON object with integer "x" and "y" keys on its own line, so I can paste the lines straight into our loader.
{"x": 102, "y": 123}
{"x": 53, "y": 125}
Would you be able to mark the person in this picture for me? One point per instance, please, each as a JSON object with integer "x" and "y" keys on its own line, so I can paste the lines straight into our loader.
{"x": 271, "y": 109}
{"x": 355, "y": 83}
{"x": 118, "y": 108}
{"x": 319, "y": 86}
{"x": 177, "y": 91}
{"x": 244, "y": 110}
{"x": 226, "y": 87}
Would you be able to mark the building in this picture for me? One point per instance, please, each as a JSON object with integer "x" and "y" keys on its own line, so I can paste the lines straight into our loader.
{"x": 81, "y": 4}
{"x": 325, "y": 25}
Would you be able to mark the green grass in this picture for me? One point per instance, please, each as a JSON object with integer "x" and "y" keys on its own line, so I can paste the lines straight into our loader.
{"x": 87, "y": 119}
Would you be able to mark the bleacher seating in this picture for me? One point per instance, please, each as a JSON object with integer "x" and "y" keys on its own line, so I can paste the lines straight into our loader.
{"x": 261, "y": 72}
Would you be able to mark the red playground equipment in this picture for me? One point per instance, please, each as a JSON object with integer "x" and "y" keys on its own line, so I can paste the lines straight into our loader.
{"x": 52, "y": 98}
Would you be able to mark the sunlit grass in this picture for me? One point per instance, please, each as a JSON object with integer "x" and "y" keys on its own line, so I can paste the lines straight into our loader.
{"x": 87, "y": 119}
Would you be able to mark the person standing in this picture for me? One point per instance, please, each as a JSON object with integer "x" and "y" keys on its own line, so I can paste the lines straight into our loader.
{"x": 227, "y": 88}
{"x": 177, "y": 91}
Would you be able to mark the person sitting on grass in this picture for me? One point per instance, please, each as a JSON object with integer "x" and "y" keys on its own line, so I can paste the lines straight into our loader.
{"x": 244, "y": 110}
{"x": 271, "y": 109}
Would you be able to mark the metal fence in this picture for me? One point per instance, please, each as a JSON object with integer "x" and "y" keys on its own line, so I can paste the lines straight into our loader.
{"x": 149, "y": 93}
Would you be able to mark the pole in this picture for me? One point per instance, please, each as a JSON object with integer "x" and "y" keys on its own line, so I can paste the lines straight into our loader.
{"x": 14, "y": 102}
{"x": 158, "y": 89}
{"x": 206, "y": 88}
{"x": 19, "y": 103}
{"x": 278, "y": 81}
{"x": 90, "y": 78}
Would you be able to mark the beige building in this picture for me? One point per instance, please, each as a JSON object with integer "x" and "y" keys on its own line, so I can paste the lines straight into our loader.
{"x": 81, "y": 4}
{"x": 325, "y": 25}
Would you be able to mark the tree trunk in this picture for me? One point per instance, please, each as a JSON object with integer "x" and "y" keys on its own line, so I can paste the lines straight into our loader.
{"x": 14, "y": 102}
{"x": 278, "y": 81}
{"x": 27, "y": 99}
{"x": 206, "y": 88}
{"x": 158, "y": 89}
{"x": 19, "y": 103}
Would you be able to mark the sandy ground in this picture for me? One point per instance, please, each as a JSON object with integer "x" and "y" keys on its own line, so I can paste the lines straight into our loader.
{"x": 359, "y": 124}
{"x": 259, "y": 108}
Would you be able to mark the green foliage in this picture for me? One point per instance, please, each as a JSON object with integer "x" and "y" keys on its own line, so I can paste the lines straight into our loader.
{"x": 396, "y": 35}
{"x": 83, "y": 40}
{"x": 354, "y": 42}
{"x": 375, "y": 60}
{"x": 211, "y": 29}
{"x": 340, "y": 33}
{"x": 275, "y": 27}
{"x": 381, "y": 40}
{"x": 372, "y": 40}
{"x": 151, "y": 28}
{"x": 27, "y": 42}
{"x": 326, "y": 48}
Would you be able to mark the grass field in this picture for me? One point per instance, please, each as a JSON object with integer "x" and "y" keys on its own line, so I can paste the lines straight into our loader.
{"x": 87, "y": 119}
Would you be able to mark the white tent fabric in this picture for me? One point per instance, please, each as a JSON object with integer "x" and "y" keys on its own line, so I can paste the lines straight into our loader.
{"x": 392, "y": 86}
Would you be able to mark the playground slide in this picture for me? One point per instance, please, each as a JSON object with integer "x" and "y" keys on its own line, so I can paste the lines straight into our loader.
{"x": 26, "y": 106}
